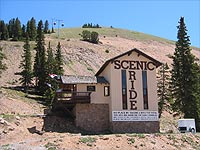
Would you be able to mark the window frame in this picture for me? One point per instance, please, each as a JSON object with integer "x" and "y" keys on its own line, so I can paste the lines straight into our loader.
{"x": 108, "y": 91}
{"x": 91, "y": 88}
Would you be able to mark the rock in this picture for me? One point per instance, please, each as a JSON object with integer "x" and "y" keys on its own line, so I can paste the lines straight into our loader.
{"x": 39, "y": 132}
{"x": 5, "y": 131}
{"x": 17, "y": 123}
{"x": 2, "y": 121}
{"x": 105, "y": 138}
{"x": 17, "y": 117}
{"x": 11, "y": 129}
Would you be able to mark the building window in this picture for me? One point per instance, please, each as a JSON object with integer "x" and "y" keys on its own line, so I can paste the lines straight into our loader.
{"x": 145, "y": 91}
{"x": 106, "y": 91}
{"x": 124, "y": 90}
{"x": 91, "y": 88}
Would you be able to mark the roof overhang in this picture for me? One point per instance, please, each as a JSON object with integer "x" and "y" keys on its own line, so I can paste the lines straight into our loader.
{"x": 74, "y": 79}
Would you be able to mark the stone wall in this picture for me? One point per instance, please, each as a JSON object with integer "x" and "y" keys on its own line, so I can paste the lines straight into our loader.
{"x": 92, "y": 117}
{"x": 135, "y": 127}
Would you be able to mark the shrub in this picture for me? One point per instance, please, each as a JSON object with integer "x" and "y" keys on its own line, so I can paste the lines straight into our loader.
{"x": 107, "y": 51}
{"x": 86, "y": 35}
{"x": 94, "y": 37}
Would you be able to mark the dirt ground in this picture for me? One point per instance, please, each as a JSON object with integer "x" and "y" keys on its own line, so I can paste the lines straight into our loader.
{"x": 24, "y": 126}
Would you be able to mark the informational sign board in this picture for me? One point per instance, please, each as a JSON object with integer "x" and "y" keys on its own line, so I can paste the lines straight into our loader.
{"x": 134, "y": 116}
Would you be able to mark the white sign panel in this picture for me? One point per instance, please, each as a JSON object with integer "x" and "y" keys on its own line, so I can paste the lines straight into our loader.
{"x": 134, "y": 116}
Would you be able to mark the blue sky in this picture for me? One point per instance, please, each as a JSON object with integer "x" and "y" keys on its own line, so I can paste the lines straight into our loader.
{"x": 156, "y": 17}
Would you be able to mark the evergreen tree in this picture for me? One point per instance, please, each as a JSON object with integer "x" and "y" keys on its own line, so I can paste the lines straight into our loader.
{"x": 40, "y": 60}
{"x": 50, "y": 92}
{"x": 25, "y": 65}
{"x": 2, "y": 65}
{"x": 17, "y": 30}
{"x": 59, "y": 61}
{"x": 46, "y": 26}
{"x": 163, "y": 85}
{"x": 11, "y": 28}
{"x": 50, "y": 60}
{"x": 31, "y": 29}
{"x": 4, "y": 35}
{"x": 28, "y": 28}
{"x": 24, "y": 31}
{"x": 185, "y": 77}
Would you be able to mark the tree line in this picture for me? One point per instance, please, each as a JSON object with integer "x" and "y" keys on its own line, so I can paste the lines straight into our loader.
{"x": 90, "y": 25}
{"x": 45, "y": 63}
{"x": 15, "y": 31}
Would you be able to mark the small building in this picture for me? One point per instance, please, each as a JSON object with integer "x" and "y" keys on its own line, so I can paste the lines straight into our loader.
{"x": 121, "y": 97}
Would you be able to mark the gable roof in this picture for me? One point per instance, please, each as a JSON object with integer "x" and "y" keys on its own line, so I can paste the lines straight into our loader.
{"x": 74, "y": 79}
{"x": 156, "y": 62}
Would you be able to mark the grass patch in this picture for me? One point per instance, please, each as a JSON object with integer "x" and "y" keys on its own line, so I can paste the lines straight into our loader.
{"x": 87, "y": 140}
{"x": 50, "y": 146}
{"x": 131, "y": 135}
{"x": 141, "y": 136}
{"x": 89, "y": 69}
{"x": 19, "y": 94}
{"x": 6, "y": 147}
{"x": 131, "y": 140}
{"x": 118, "y": 135}
{"x": 189, "y": 140}
{"x": 8, "y": 117}
{"x": 70, "y": 33}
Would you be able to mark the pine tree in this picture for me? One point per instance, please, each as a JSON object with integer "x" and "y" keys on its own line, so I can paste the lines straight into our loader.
{"x": 25, "y": 65}
{"x": 2, "y": 64}
{"x": 11, "y": 28}
{"x": 40, "y": 60}
{"x": 163, "y": 85}
{"x": 50, "y": 61}
{"x": 46, "y": 26}
{"x": 184, "y": 76}
{"x": 24, "y": 31}
{"x": 59, "y": 61}
{"x": 50, "y": 92}
{"x": 17, "y": 30}
{"x": 31, "y": 29}
{"x": 4, "y": 35}
{"x": 28, "y": 29}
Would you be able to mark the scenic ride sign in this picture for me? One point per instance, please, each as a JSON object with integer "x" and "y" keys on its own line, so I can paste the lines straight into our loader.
{"x": 134, "y": 116}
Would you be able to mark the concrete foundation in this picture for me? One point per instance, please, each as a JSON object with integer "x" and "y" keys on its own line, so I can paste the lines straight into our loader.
{"x": 92, "y": 117}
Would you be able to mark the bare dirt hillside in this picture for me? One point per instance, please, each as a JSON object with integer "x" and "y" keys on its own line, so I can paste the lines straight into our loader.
{"x": 25, "y": 126}
{"x": 85, "y": 58}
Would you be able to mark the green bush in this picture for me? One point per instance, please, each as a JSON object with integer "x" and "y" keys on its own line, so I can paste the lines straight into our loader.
{"x": 94, "y": 37}
{"x": 86, "y": 35}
